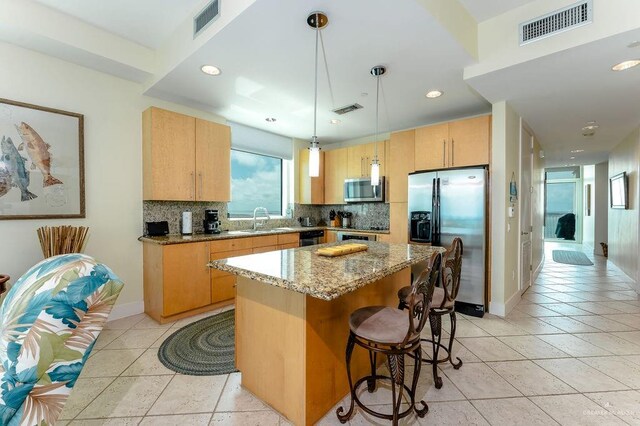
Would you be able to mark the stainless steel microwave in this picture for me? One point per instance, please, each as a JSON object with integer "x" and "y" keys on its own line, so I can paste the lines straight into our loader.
{"x": 361, "y": 190}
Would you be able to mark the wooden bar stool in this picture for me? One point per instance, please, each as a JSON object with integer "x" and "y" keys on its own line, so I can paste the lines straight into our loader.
{"x": 444, "y": 298}
{"x": 394, "y": 333}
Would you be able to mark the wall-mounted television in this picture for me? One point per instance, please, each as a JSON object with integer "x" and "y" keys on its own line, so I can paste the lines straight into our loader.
{"x": 619, "y": 191}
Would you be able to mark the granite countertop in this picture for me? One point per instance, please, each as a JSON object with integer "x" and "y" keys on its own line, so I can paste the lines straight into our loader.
{"x": 225, "y": 235}
{"x": 326, "y": 278}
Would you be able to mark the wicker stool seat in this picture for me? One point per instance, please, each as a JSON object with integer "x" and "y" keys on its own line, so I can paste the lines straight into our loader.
{"x": 394, "y": 333}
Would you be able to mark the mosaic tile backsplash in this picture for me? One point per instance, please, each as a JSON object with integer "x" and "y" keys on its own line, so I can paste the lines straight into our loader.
{"x": 365, "y": 215}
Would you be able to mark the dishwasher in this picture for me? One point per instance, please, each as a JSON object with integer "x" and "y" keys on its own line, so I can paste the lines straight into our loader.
{"x": 311, "y": 238}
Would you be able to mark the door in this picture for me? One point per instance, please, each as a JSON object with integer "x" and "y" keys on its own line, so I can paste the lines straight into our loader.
{"x": 563, "y": 204}
{"x": 431, "y": 147}
{"x": 462, "y": 214}
{"x": 526, "y": 166}
{"x": 186, "y": 283}
{"x": 356, "y": 157}
{"x": 469, "y": 141}
{"x": 213, "y": 161}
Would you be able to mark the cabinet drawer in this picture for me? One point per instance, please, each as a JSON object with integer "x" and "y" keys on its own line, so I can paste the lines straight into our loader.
{"x": 288, "y": 238}
{"x": 223, "y": 288}
{"x": 265, "y": 249}
{"x": 269, "y": 240}
{"x": 231, "y": 244}
{"x": 216, "y": 273}
{"x": 288, "y": 246}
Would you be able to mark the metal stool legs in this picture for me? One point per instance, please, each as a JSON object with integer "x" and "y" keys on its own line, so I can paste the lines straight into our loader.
{"x": 435, "y": 320}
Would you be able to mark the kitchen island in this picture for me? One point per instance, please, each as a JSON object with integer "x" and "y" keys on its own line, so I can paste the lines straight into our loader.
{"x": 292, "y": 319}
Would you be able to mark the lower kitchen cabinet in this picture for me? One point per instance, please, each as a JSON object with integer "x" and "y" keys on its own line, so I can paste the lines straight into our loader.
{"x": 288, "y": 246}
{"x": 223, "y": 284}
{"x": 331, "y": 236}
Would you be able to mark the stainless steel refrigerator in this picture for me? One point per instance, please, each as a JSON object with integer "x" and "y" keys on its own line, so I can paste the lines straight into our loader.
{"x": 456, "y": 200}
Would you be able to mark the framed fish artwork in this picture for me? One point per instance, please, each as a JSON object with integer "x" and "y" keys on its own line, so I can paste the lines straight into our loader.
{"x": 41, "y": 162}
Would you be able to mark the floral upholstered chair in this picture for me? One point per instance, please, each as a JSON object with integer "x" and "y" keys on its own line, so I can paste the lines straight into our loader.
{"x": 49, "y": 322}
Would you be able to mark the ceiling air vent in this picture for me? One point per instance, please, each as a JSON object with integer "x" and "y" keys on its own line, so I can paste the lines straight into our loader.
{"x": 570, "y": 17}
{"x": 347, "y": 109}
{"x": 206, "y": 16}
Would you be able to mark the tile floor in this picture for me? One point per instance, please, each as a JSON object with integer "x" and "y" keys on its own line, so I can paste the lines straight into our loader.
{"x": 568, "y": 354}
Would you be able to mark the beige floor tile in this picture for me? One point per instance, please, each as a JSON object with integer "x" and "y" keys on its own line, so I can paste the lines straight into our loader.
{"x": 124, "y": 323}
{"x": 535, "y": 325}
{"x": 454, "y": 413}
{"x": 490, "y": 349}
{"x": 110, "y": 363}
{"x": 575, "y": 410}
{"x": 632, "y": 320}
{"x": 138, "y": 339}
{"x": 512, "y": 412}
{"x": 566, "y": 297}
{"x": 632, "y": 336}
{"x": 623, "y": 404}
{"x": 612, "y": 343}
{"x": 566, "y": 309}
{"x": 182, "y": 420}
{"x": 147, "y": 365}
{"x": 536, "y": 310}
{"x": 570, "y": 325}
{"x": 579, "y": 375}
{"x": 121, "y": 421}
{"x": 189, "y": 394}
{"x": 532, "y": 347}
{"x": 572, "y": 345}
{"x": 595, "y": 308}
{"x": 360, "y": 418}
{"x": 107, "y": 336}
{"x": 255, "y": 418}
{"x": 499, "y": 327}
{"x": 458, "y": 351}
{"x": 161, "y": 339}
{"x": 530, "y": 379}
{"x": 149, "y": 322}
{"x": 126, "y": 396}
{"x": 235, "y": 398}
{"x": 626, "y": 307}
{"x": 84, "y": 391}
{"x": 468, "y": 329}
{"x": 602, "y": 323}
{"x": 622, "y": 369}
{"x": 539, "y": 298}
{"x": 477, "y": 381}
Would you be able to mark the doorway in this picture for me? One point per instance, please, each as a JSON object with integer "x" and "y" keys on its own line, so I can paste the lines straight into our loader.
{"x": 526, "y": 212}
{"x": 563, "y": 204}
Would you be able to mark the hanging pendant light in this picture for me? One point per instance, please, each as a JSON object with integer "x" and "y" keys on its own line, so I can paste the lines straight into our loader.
{"x": 317, "y": 21}
{"x": 376, "y": 71}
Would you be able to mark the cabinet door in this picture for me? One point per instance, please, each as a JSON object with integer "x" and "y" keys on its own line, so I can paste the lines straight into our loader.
{"x": 223, "y": 283}
{"x": 186, "y": 283}
{"x": 382, "y": 156}
{"x": 310, "y": 190}
{"x": 431, "y": 147}
{"x": 264, "y": 249}
{"x": 213, "y": 161}
{"x": 399, "y": 217}
{"x": 400, "y": 164}
{"x": 331, "y": 236}
{"x": 356, "y": 161}
{"x": 169, "y": 150}
{"x": 288, "y": 246}
{"x": 470, "y": 141}
{"x": 335, "y": 172}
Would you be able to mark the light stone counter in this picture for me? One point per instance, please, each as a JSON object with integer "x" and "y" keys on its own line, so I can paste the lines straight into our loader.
{"x": 303, "y": 271}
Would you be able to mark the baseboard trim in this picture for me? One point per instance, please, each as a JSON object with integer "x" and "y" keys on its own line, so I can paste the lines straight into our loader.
{"x": 503, "y": 309}
{"x": 538, "y": 269}
{"x": 497, "y": 309}
{"x": 126, "y": 310}
{"x": 513, "y": 301}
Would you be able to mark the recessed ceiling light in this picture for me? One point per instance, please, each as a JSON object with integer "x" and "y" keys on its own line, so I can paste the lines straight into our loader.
{"x": 626, "y": 65}
{"x": 575, "y": 151}
{"x": 270, "y": 120}
{"x": 590, "y": 127}
{"x": 210, "y": 70}
{"x": 363, "y": 94}
{"x": 572, "y": 158}
{"x": 634, "y": 44}
{"x": 335, "y": 121}
{"x": 434, "y": 94}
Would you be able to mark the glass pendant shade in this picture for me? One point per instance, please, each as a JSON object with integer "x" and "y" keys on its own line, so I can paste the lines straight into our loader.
{"x": 375, "y": 173}
{"x": 314, "y": 161}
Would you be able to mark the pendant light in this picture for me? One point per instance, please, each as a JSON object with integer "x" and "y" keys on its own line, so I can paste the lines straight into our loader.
{"x": 317, "y": 21}
{"x": 376, "y": 71}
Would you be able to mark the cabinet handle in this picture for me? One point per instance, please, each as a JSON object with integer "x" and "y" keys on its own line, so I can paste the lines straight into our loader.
{"x": 193, "y": 186}
{"x": 453, "y": 161}
{"x": 200, "y": 175}
{"x": 444, "y": 150}
{"x": 361, "y": 166}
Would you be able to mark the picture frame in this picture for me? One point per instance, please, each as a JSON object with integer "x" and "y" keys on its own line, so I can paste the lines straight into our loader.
{"x": 41, "y": 162}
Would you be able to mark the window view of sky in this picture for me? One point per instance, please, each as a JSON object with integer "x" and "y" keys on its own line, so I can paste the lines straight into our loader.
{"x": 561, "y": 197}
{"x": 256, "y": 181}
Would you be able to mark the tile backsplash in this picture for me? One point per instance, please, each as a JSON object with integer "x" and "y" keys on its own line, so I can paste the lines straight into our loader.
{"x": 365, "y": 215}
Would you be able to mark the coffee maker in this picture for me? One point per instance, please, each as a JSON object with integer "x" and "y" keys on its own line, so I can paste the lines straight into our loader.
{"x": 211, "y": 222}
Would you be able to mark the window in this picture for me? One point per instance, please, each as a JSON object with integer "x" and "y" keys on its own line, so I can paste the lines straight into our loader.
{"x": 256, "y": 181}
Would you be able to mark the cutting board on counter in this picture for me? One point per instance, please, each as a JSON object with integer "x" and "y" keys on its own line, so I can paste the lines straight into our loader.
{"x": 341, "y": 250}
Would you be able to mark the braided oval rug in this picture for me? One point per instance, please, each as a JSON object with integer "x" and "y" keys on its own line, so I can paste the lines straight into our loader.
{"x": 203, "y": 348}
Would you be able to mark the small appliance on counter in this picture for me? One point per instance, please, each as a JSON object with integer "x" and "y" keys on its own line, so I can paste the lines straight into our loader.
{"x": 186, "y": 223}
{"x": 306, "y": 221}
{"x": 157, "y": 229}
{"x": 211, "y": 222}
{"x": 346, "y": 219}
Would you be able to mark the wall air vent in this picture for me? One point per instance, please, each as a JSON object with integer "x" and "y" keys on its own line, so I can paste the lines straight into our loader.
{"x": 566, "y": 19}
{"x": 347, "y": 109}
{"x": 206, "y": 16}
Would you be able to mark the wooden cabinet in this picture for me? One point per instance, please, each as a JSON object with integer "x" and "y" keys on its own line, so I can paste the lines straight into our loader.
{"x": 223, "y": 283}
{"x": 331, "y": 236}
{"x": 288, "y": 246}
{"x": 289, "y": 239}
{"x": 361, "y": 156}
{"x": 399, "y": 226}
{"x": 456, "y": 144}
{"x": 384, "y": 238}
{"x": 184, "y": 158}
{"x": 400, "y": 163}
{"x": 335, "y": 172}
{"x": 310, "y": 190}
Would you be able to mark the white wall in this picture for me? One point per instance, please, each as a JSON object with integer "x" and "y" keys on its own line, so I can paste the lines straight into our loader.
{"x": 601, "y": 207}
{"x": 112, "y": 111}
{"x": 588, "y": 222}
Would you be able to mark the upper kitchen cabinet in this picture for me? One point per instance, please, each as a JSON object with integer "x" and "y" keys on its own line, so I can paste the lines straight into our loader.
{"x": 455, "y": 144}
{"x": 360, "y": 158}
{"x": 310, "y": 189}
{"x": 335, "y": 172}
{"x": 399, "y": 164}
{"x": 184, "y": 158}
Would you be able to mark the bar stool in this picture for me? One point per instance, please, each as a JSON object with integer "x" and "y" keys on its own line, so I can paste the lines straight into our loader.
{"x": 394, "y": 333}
{"x": 443, "y": 303}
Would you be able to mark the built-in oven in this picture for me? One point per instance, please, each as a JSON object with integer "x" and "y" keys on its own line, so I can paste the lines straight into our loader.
{"x": 360, "y": 190}
{"x": 344, "y": 236}
{"x": 311, "y": 238}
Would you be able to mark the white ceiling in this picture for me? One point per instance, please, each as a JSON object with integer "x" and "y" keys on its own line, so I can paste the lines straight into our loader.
{"x": 146, "y": 22}
{"x": 559, "y": 93}
{"x": 486, "y": 9}
{"x": 267, "y": 61}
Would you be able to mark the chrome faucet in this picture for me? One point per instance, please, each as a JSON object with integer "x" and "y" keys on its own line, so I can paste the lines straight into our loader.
{"x": 255, "y": 216}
